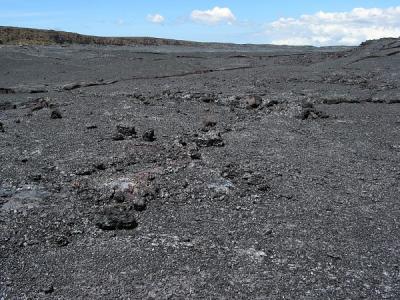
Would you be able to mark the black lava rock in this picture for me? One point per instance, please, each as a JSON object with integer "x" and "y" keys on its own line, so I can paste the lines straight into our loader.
{"x": 40, "y": 104}
{"x": 312, "y": 113}
{"x": 119, "y": 196}
{"x": 148, "y": 135}
{"x": 47, "y": 289}
{"x": 209, "y": 139}
{"x": 55, "y": 114}
{"x": 140, "y": 204}
{"x": 118, "y": 137}
{"x": 126, "y": 130}
{"x": 208, "y": 125}
{"x": 115, "y": 218}
{"x": 253, "y": 101}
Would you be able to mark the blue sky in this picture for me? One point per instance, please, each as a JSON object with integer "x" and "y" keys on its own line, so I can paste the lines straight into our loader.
{"x": 280, "y": 22}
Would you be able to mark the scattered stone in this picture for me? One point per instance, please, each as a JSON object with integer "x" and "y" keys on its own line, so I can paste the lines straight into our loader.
{"x": 126, "y": 130}
{"x": 207, "y": 98}
{"x": 148, "y": 135}
{"x": 307, "y": 104}
{"x": 268, "y": 231}
{"x": 21, "y": 89}
{"x": 271, "y": 103}
{"x": 119, "y": 196}
{"x": 312, "y": 113}
{"x": 208, "y": 125}
{"x": 264, "y": 187}
{"x": 193, "y": 151}
{"x": 134, "y": 193}
{"x": 47, "y": 289}
{"x": 230, "y": 171}
{"x": 7, "y": 91}
{"x": 59, "y": 240}
{"x": 118, "y": 137}
{"x": 140, "y": 204}
{"x": 36, "y": 177}
{"x": 91, "y": 126}
{"x": 80, "y": 84}
{"x": 55, "y": 114}
{"x": 115, "y": 218}
{"x": 84, "y": 172}
{"x": 334, "y": 256}
{"x": 40, "y": 103}
{"x": 100, "y": 166}
{"x": 338, "y": 99}
{"x": 209, "y": 139}
{"x": 7, "y": 106}
{"x": 253, "y": 101}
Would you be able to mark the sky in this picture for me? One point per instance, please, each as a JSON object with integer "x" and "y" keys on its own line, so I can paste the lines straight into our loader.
{"x": 290, "y": 22}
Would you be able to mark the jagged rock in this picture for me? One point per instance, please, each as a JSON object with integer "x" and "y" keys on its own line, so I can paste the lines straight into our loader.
{"x": 116, "y": 218}
{"x": 119, "y": 196}
{"x": 40, "y": 103}
{"x": 91, "y": 126}
{"x": 193, "y": 151}
{"x": 100, "y": 166}
{"x": 140, "y": 204}
{"x": 148, "y": 135}
{"x": 209, "y": 139}
{"x": 126, "y": 130}
{"x": 80, "y": 84}
{"x": 85, "y": 171}
{"x": 118, "y": 137}
{"x": 22, "y": 89}
{"x": 2, "y": 127}
{"x": 208, "y": 125}
{"x": 7, "y": 106}
{"x": 271, "y": 103}
{"x": 55, "y": 114}
{"x": 253, "y": 101}
{"x": 47, "y": 289}
{"x": 310, "y": 112}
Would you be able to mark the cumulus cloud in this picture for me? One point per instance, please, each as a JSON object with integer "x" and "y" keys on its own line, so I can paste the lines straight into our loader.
{"x": 156, "y": 18}
{"x": 336, "y": 28}
{"x": 213, "y": 16}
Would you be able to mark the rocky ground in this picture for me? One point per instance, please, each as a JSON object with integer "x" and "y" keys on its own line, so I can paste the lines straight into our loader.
{"x": 172, "y": 173}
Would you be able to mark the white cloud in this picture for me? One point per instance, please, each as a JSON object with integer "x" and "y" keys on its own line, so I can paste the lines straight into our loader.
{"x": 336, "y": 28}
{"x": 120, "y": 22}
{"x": 213, "y": 16}
{"x": 157, "y": 18}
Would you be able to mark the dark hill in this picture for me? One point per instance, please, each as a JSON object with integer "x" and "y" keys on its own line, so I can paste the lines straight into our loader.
{"x": 28, "y": 36}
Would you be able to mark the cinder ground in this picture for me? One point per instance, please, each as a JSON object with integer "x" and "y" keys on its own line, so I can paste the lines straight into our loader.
{"x": 270, "y": 174}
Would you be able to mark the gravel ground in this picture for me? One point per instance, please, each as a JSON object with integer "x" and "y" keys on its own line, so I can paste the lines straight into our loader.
{"x": 175, "y": 173}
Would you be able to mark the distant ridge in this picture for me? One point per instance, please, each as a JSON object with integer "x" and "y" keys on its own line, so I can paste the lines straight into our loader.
{"x": 31, "y": 36}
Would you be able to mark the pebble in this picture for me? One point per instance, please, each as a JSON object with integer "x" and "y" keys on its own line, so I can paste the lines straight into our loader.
{"x": 148, "y": 135}
{"x": 253, "y": 101}
{"x": 55, "y": 114}
{"x": 91, "y": 126}
{"x": 48, "y": 289}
